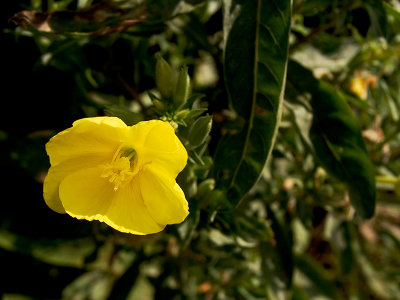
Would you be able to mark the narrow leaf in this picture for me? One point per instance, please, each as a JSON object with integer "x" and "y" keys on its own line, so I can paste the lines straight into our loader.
{"x": 256, "y": 49}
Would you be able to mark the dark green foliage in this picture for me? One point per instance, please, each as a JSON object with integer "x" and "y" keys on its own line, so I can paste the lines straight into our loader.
{"x": 337, "y": 140}
{"x": 261, "y": 28}
{"x": 289, "y": 111}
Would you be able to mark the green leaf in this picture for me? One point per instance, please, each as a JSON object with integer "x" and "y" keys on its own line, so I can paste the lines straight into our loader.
{"x": 256, "y": 49}
{"x": 199, "y": 131}
{"x": 337, "y": 139}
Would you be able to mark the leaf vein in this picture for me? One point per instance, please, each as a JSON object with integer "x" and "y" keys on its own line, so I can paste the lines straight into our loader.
{"x": 271, "y": 34}
{"x": 277, "y": 81}
{"x": 280, "y": 13}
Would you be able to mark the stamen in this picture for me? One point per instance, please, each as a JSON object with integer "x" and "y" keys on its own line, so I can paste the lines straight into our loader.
{"x": 121, "y": 168}
{"x": 116, "y": 153}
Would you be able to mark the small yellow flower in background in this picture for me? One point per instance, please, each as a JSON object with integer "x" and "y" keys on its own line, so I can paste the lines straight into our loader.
{"x": 102, "y": 169}
{"x": 360, "y": 84}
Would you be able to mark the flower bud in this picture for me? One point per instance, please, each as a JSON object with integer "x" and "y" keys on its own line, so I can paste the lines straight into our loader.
{"x": 164, "y": 77}
{"x": 158, "y": 104}
{"x": 182, "y": 88}
{"x": 199, "y": 131}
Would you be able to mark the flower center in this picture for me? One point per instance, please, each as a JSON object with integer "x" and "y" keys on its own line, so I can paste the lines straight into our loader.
{"x": 122, "y": 167}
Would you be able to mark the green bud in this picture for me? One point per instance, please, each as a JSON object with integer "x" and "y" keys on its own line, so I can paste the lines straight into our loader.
{"x": 199, "y": 131}
{"x": 164, "y": 77}
{"x": 156, "y": 102}
{"x": 182, "y": 87}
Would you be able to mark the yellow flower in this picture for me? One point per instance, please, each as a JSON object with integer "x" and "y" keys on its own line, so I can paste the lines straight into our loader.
{"x": 361, "y": 83}
{"x": 102, "y": 169}
{"x": 359, "y": 86}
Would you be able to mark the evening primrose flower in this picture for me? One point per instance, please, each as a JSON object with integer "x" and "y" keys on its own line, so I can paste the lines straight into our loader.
{"x": 102, "y": 169}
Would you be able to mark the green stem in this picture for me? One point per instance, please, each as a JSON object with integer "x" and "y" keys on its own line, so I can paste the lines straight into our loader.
{"x": 386, "y": 179}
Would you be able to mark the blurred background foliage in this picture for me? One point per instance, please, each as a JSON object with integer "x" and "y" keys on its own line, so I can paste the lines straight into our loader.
{"x": 294, "y": 234}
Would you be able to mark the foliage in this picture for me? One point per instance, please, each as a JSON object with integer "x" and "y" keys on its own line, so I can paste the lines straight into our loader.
{"x": 289, "y": 111}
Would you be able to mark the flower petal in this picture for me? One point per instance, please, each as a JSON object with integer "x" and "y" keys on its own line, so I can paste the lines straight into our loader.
{"x": 88, "y": 136}
{"x": 127, "y": 213}
{"x": 58, "y": 172}
{"x": 162, "y": 196}
{"x": 86, "y": 195}
{"x": 161, "y": 146}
